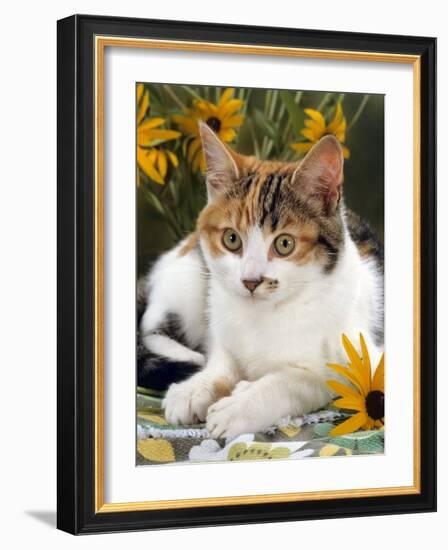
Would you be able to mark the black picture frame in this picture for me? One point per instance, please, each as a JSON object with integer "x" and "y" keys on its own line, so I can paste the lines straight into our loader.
{"x": 76, "y": 301}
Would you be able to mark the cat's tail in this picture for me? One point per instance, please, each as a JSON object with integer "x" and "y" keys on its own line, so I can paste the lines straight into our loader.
{"x": 158, "y": 372}
{"x": 163, "y": 358}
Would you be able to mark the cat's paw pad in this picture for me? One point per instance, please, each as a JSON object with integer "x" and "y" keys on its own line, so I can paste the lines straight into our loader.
{"x": 229, "y": 417}
{"x": 187, "y": 402}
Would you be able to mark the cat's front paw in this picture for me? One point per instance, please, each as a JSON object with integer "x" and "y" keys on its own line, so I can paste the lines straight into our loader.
{"x": 187, "y": 402}
{"x": 234, "y": 415}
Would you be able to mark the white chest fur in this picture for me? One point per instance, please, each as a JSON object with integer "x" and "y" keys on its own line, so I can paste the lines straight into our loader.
{"x": 305, "y": 331}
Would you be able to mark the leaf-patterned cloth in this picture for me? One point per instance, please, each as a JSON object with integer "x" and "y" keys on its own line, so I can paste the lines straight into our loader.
{"x": 159, "y": 442}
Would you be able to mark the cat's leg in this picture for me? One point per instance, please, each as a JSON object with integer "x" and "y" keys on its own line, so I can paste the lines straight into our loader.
{"x": 188, "y": 402}
{"x": 255, "y": 406}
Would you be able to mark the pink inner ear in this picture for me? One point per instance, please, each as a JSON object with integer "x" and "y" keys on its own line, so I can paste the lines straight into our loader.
{"x": 321, "y": 171}
{"x": 221, "y": 166}
{"x": 331, "y": 167}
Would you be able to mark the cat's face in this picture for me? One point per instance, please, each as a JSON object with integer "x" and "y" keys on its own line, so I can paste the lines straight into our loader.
{"x": 271, "y": 228}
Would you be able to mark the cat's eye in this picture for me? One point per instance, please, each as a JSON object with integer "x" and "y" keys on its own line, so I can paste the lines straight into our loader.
{"x": 284, "y": 245}
{"x": 231, "y": 240}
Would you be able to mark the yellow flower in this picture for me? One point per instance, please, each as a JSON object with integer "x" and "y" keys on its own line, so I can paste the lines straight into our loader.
{"x": 316, "y": 127}
{"x": 221, "y": 118}
{"x": 151, "y": 159}
{"x": 365, "y": 395}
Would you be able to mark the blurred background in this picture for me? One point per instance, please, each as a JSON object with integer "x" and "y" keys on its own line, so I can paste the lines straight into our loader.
{"x": 271, "y": 124}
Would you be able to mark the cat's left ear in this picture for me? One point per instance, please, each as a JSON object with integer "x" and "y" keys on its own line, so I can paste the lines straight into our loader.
{"x": 220, "y": 162}
{"x": 320, "y": 174}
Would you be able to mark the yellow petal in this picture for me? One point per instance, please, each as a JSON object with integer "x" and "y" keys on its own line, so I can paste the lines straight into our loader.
{"x": 350, "y": 425}
{"x": 230, "y": 107}
{"x": 346, "y": 373}
{"x": 378, "y": 377}
{"x": 188, "y": 126}
{"x": 342, "y": 389}
{"x": 342, "y": 126}
{"x": 146, "y": 163}
{"x": 153, "y": 154}
{"x": 173, "y": 158}
{"x": 368, "y": 424}
{"x": 352, "y": 403}
{"x": 225, "y": 97}
{"x": 345, "y": 152}
{"x": 193, "y": 148}
{"x": 157, "y": 450}
{"x": 233, "y": 121}
{"x": 301, "y": 147}
{"x": 151, "y": 123}
{"x": 337, "y": 119}
{"x": 317, "y": 117}
{"x": 207, "y": 109}
{"x": 197, "y": 161}
{"x": 365, "y": 357}
{"x": 313, "y": 126}
{"x": 227, "y": 134}
{"x": 162, "y": 164}
{"x": 143, "y": 108}
{"x": 309, "y": 134}
{"x": 146, "y": 137}
{"x": 356, "y": 364}
{"x": 140, "y": 90}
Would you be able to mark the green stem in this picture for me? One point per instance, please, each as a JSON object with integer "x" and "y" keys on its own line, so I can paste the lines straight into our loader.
{"x": 358, "y": 113}
{"x": 192, "y": 92}
{"x": 288, "y": 125}
{"x": 324, "y": 101}
{"x": 254, "y": 140}
{"x": 246, "y": 100}
{"x": 174, "y": 96}
{"x": 169, "y": 218}
{"x": 267, "y": 99}
{"x": 273, "y": 104}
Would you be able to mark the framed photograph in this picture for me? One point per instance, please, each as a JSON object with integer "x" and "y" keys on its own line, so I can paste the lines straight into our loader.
{"x": 246, "y": 274}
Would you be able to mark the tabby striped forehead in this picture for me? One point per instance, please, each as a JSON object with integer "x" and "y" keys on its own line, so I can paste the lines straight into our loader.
{"x": 266, "y": 196}
{"x": 265, "y": 199}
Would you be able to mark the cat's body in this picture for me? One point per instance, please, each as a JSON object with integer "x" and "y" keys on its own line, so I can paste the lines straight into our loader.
{"x": 260, "y": 295}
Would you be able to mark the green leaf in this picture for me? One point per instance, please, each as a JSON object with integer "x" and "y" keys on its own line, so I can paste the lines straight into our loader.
{"x": 192, "y": 92}
{"x": 265, "y": 125}
{"x": 155, "y": 202}
{"x": 296, "y": 114}
{"x": 173, "y": 187}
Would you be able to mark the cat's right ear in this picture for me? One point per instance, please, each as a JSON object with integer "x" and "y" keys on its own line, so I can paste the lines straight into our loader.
{"x": 221, "y": 165}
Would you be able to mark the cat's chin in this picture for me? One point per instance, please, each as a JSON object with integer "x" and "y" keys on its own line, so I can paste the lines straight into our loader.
{"x": 255, "y": 298}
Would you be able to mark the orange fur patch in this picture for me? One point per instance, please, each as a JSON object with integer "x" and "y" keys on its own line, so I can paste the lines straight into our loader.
{"x": 221, "y": 388}
{"x": 190, "y": 245}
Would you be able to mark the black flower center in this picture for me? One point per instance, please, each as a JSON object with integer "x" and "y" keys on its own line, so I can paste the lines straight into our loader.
{"x": 375, "y": 404}
{"x": 214, "y": 123}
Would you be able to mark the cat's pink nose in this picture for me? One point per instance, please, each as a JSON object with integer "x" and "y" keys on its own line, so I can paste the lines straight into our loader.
{"x": 251, "y": 284}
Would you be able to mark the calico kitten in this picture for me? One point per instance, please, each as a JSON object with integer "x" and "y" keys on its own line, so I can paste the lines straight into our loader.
{"x": 261, "y": 293}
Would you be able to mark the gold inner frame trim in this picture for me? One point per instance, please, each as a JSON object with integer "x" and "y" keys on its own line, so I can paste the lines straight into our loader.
{"x": 101, "y": 42}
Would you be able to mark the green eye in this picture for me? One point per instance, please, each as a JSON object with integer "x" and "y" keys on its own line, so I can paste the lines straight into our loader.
{"x": 284, "y": 244}
{"x": 231, "y": 240}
